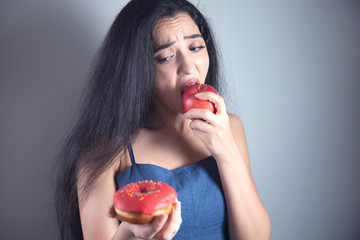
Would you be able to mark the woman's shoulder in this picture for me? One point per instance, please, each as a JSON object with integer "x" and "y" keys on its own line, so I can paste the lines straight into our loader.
{"x": 117, "y": 163}
{"x": 236, "y": 123}
{"x": 121, "y": 162}
{"x": 237, "y": 128}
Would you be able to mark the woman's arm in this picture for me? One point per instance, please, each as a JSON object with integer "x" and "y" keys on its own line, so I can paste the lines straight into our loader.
{"x": 224, "y": 137}
{"x": 248, "y": 218}
{"x": 93, "y": 205}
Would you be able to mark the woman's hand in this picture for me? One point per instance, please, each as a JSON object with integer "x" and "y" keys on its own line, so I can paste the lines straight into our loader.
{"x": 163, "y": 227}
{"x": 212, "y": 129}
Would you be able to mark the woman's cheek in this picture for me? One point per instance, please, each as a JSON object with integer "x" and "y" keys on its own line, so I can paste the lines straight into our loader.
{"x": 203, "y": 65}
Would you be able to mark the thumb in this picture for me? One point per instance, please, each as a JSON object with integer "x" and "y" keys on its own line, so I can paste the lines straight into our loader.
{"x": 110, "y": 211}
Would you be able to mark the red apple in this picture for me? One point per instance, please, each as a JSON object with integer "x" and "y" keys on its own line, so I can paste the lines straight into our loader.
{"x": 189, "y": 100}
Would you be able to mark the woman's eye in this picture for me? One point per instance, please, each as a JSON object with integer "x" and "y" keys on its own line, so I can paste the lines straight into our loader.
{"x": 165, "y": 59}
{"x": 196, "y": 48}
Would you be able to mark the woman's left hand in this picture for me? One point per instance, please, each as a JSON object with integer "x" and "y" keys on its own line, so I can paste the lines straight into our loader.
{"x": 212, "y": 129}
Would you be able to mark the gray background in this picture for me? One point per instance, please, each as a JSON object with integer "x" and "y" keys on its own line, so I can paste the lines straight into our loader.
{"x": 292, "y": 70}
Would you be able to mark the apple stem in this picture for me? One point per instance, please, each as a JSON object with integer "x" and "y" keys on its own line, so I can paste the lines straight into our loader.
{"x": 199, "y": 86}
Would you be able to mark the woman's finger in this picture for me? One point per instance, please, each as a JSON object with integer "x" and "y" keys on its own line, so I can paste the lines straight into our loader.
{"x": 149, "y": 230}
{"x": 172, "y": 225}
{"x": 198, "y": 113}
{"x": 201, "y": 125}
{"x": 214, "y": 98}
{"x": 156, "y": 225}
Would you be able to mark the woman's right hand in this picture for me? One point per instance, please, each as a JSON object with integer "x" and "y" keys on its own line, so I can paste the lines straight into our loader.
{"x": 163, "y": 227}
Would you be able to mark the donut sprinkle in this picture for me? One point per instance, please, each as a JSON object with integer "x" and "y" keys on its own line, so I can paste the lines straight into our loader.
{"x": 144, "y": 196}
{"x": 141, "y": 189}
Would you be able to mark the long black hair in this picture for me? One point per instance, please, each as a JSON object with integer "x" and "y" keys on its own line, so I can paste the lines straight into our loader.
{"x": 117, "y": 101}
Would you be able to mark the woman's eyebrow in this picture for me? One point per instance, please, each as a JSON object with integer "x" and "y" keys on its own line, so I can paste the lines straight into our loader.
{"x": 163, "y": 46}
{"x": 167, "y": 45}
{"x": 193, "y": 36}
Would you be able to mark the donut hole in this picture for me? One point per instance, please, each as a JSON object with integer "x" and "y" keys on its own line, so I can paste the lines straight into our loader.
{"x": 144, "y": 190}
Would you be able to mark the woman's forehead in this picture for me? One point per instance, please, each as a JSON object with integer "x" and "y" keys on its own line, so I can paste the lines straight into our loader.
{"x": 167, "y": 27}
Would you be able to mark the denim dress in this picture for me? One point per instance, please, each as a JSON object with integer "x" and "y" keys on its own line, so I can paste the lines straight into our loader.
{"x": 199, "y": 189}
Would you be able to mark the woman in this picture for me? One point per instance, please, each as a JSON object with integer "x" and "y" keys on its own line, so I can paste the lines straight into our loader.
{"x": 132, "y": 128}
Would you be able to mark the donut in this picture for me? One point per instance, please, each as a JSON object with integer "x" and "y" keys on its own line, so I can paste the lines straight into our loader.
{"x": 140, "y": 202}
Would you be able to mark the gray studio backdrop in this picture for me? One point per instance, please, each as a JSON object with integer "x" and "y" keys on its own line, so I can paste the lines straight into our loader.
{"x": 292, "y": 71}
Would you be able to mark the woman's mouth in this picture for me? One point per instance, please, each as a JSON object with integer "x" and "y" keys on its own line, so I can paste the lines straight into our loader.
{"x": 183, "y": 90}
{"x": 189, "y": 83}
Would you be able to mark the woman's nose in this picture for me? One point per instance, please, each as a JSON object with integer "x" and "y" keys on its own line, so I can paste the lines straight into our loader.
{"x": 186, "y": 64}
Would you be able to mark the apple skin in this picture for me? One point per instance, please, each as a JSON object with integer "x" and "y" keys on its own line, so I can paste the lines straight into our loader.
{"x": 189, "y": 100}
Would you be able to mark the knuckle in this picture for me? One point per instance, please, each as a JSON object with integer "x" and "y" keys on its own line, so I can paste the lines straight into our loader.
{"x": 157, "y": 226}
{"x": 141, "y": 234}
{"x": 197, "y": 133}
{"x": 178, "y": 224}
{"x": 211, "y": 142}
{"x": 148, "y": 235}
{"x": 196, "y": 123}
{"x": 221, "y": 130}
{"x": 221, "y": 99}
{"x": 208, "y": 114}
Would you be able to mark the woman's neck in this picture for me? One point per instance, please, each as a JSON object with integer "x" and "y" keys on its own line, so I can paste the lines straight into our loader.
{"x": 162, "y": 117}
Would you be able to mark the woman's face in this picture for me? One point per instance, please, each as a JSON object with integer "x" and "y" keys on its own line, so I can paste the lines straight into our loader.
{"x": 180, "y": 58}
